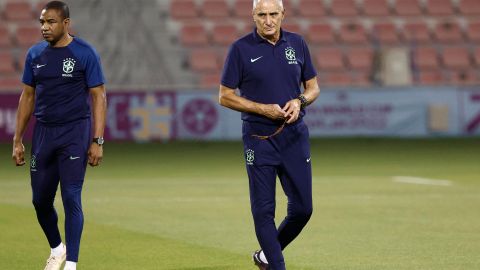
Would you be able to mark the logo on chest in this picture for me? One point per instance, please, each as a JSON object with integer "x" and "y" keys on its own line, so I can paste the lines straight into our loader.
{"x": 290, "y": 55}
{"x": 68, "y": 67}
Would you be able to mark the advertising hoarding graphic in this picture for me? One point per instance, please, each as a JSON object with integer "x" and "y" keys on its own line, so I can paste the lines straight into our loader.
{"x": 349, "y": 113}
{"x": 141, "y": 116}
{"x": 471, "y": 105}
{"x": 199, "y": 116}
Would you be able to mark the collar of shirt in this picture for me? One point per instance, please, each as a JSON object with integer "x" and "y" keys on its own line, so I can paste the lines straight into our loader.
{"x": 260, "y": 39}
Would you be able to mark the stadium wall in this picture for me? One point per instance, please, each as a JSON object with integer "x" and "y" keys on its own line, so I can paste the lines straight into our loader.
{"x": 196, "y": 115}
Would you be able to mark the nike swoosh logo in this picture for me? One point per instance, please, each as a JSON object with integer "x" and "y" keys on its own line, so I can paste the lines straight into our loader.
{"x": 72, "y": 158}
{"x": 253, "y": 60}
{"x": 39, "y": 66}
{"x": 308, "y": 160}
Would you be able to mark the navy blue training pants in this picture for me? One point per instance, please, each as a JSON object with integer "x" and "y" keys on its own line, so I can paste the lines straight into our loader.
{"x": 286, "y": 155}
{"x": 59, "y": 155}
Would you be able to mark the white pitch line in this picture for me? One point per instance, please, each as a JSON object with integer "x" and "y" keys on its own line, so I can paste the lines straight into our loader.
{"x": 421, "y": 181}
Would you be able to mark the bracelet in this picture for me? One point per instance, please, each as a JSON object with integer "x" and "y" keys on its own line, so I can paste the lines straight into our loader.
{"x": 303, "y": 101}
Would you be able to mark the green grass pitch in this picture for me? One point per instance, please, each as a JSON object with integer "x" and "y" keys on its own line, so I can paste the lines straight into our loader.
{"x": 185, "y": 205}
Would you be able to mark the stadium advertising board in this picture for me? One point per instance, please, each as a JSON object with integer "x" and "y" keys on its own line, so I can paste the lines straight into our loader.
{"x": 163, "y": 116}
{"x": 392, "y": 112}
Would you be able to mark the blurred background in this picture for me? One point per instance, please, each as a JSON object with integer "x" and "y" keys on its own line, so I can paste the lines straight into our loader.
{"x": 386, "y": 67}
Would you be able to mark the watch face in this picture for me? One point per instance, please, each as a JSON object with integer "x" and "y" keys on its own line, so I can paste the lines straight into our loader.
{"x": 99, "y": 140}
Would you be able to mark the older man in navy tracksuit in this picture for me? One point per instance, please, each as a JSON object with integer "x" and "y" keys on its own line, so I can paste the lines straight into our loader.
{"x": 269, "y": 66}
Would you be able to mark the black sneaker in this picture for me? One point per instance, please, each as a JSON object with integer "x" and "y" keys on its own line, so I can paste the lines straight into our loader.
{"x": 258, "y": 262}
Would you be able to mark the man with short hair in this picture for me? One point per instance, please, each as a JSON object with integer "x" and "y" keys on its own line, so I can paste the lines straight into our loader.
{"x": 59, "y": 76}
{"x": 269, "y": 66}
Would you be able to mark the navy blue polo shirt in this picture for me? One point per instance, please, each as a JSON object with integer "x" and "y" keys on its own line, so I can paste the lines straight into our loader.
{"x": 267, "y": 73}
{"x": 62, "y": 78}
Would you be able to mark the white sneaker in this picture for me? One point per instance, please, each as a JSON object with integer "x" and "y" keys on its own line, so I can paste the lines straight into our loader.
{"x": 55, "y": 262}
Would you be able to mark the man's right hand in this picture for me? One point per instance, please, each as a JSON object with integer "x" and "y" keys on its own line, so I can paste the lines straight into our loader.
{"x": 273, "y": 111}
{"x": 18, "y": 154}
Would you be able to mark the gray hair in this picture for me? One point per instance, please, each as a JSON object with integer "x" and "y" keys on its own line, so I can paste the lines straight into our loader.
{"x": 255, "y": 2}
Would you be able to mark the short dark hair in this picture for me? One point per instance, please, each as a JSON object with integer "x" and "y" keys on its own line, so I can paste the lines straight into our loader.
{"x": 60, "y": 7}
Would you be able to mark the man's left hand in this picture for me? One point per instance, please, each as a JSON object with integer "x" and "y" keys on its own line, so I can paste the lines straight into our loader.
{"x": 292, "y": 110}
{"x": 95, "y": 154}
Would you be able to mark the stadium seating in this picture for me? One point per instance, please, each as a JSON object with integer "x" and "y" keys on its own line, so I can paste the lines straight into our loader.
{"x": 224, "y": 34}
{"x": 439, "y": 7}
{"x": 416, "y": 33}
{"x": 360, "y": 58}
{"x": 213, "y": 9}
{"x": 456, "y": 58}
{"x": 27, "y": 35}
{"x": 469, "y": 7}
{"x": 476, "y": 57}
{"x": 5, "y": 40}
{"x": 473, "y": 31}
{"x": 376, "y": 7}
{"x": 39, "y": 6}
{"x": 448, "y": 32}
{"x": 210, "y": 80}
{"x": 336, "y": 79}
{"x": 344, "y": 8}
{"x": 18, "y": 11}
{"x": 204, "y": 60}
{"x": 386, "y": 33}
{"x": 290, "y": 8}
{"x": 6, "y": 63}
{"x": 463, "y": 77}
{"x": 353, "y": 33}
{"x": 343, "y": 35}
{"x": 407, "y": 7}
{"x": 431, "y": 77}
{"x": 329, "y": 59}
{"x": 243, "y": 8}
{"x": 292, "y": 26}
{"x": 183, "y": 9}
{"x": 361, "y": 78}
{"x": 194, "y": 35}
{"x": 426, "y": 58}
{"x": 311, "y": 9}
{"x": 320, "y": 34}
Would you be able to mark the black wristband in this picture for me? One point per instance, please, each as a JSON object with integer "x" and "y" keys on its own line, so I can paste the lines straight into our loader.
{"x": 303, "y": 101}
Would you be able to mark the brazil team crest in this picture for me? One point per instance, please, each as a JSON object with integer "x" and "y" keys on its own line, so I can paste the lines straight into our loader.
{"x": 290, "y": 55}
{"x": 249, "y": 156}
{"x": 33, "y": 163}
{"x": 68, "y": 66}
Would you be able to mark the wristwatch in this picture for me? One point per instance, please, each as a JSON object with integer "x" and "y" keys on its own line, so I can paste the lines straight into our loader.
{"x": 303, "y": 101}
{"x": 100, "y": 141}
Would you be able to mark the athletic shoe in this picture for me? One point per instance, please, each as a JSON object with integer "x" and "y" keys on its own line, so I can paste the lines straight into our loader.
{"x": 55, "y": 262}
{"x": 258, "y": 262}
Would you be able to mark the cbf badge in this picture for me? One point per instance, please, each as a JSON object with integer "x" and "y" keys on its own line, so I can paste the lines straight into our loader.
{"x": 33, "y": 163}
{"x": 68, "y": 66}
{"x": 290, "y": 55}
{"x": 250, "y": 156}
